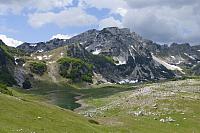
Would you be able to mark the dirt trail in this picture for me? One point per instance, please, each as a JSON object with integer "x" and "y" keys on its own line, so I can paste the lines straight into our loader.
{"x": 53, "y": 72}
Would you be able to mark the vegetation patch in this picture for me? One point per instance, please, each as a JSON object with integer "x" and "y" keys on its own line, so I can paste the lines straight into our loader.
{"x": 6, "y": 77}
{"x": 38, "y": 68}
{"x": 6, "y": 66}
{"x": 93, "y": 121}
{"x": 4, "y": 90}
{"x": 26, "y": 84}
{"x": 75, "y": 69}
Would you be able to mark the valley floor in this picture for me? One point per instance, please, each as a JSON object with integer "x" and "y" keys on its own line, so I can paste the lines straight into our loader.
{"x": 172, "y": 106}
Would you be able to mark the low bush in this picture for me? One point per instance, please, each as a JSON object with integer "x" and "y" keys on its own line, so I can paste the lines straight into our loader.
{"x": 93, "y": 121}
{"x": 26, "y": 84}
{"x": 4, "y": 90}
{"x": 38, "y": 68}
{"x": 75, "y": 69}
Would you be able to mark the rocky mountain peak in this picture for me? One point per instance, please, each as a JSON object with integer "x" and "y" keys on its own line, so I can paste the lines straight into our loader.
{"x": 119, "y": 55}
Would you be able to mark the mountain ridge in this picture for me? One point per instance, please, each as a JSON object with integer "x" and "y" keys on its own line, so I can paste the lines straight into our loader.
{"x": 117, "y": 56}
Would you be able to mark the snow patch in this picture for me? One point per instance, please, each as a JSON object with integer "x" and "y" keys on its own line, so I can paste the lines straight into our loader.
{"x": 128, "y": 81}
{"x": 33, "y": 45}
{"x": 51, "y": 62}
{"x": 120, "y": 60}
{"x": 133, "y": 47}
{"x": 86, "y": 47}
{"x": 173, "y": 57}
{"x": 39, "y": 57}
{"x": 45, "y": 56}
{"x": 96, "y": 52}
{"x": 16, "y": 58}
{"x": 191, "y": 57}
{"x": 40, "y": 51}
{"x": 179, "y": 62}
{"x": 167, "y": 65}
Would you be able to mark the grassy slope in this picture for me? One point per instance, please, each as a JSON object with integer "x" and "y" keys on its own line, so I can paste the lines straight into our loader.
{"x": 23, "y": 114}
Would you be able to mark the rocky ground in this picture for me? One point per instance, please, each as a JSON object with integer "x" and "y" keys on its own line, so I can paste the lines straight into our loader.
{"x": 168, "y": 102}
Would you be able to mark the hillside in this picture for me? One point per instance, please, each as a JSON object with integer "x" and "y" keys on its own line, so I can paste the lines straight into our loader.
{"x": 21, "y": 113}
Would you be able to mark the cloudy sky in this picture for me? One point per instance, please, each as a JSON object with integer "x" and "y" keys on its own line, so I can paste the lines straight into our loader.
{"x": 163, "y": 21}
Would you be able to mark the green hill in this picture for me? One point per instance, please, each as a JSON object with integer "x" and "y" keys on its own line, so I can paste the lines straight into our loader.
{"x": 19, "y": 114}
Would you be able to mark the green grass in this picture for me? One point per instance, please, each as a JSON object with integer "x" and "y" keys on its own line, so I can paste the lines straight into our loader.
{"x": 30, "y": 116}
{"x": 26, "y": 111}
{"x": 27, "y": 114}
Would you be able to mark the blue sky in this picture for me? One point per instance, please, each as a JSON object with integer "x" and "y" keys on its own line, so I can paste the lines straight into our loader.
{"x": 39, "y": 20}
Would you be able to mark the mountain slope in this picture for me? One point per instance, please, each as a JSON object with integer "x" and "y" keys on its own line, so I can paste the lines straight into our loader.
{"x": 182, "y": 55}
{"x": 138, "y": 68}
{"x": 117, "y": 55}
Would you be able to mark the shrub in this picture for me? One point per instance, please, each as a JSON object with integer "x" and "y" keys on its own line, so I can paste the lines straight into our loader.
{"x": 75, "y": 69}
{"x": 4, "y": 90}
{"x": 6, "y": 77}
{"x": 26, "y": 84}
{"x": 93, "y": 121}
{"x": 38, "y": 68}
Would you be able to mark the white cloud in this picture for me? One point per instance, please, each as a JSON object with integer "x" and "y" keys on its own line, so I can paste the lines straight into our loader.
{"x": 116, "y": 6}
{"x": 160, "y": 3}
{"x": 159, "y": 20}
{"x": 16, "y": 6}
{"x": 67, "y": 18}
{"x": 165, "y": 24}
{"x": 109, "y": 22}
{"x": 9, "y": 41}
{"x": 46, "y": 5}
{"x": 121, "y": 11}
{"x": 61, "y": 36}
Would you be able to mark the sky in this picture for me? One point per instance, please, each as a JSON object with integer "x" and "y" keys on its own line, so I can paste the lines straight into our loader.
{"x": 163, "y": 21}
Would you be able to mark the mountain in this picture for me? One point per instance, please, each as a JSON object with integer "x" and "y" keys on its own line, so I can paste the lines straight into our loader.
{"x": 117, "y": 55}
{"x": 184, "y": 55}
